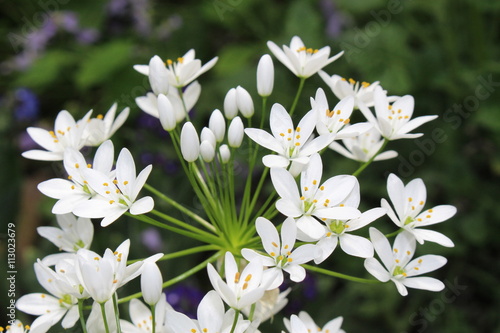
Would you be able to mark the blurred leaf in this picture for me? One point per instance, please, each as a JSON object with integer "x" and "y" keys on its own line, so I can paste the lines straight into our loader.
{"x": 233, "y": 58}
{"x": 45, "y": 70}
{"x": 308, "y": 29}
{"x": 102, "y": 62}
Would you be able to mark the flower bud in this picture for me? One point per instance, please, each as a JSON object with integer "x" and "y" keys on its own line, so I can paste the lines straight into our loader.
{"x": 151, "y": 283}
{"x": 230, "y": 105}
{"x": 235, "y": 133}
{"x": 218, "y": 125}
{"x": 158, "y": 76}
{"x": 224, "y": 154}
{"x": 244, "y": 102}
{"x": 265, "y": 76}
{"x": 208, "y": 135}
{"x": 190, "y": 143}
{"x": 166, "y": 113}
{"x": 207, "y": 151}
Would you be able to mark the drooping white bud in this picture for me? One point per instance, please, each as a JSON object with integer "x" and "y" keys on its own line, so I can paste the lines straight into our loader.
{"x": 207, "y": 151}
{"x": 217, "y": 124}
{"x": 151, "y": 283}
{"x": 208, "y": 135}
{"x": 190, "y": 143}
{"x": 158, "y": 76}
{"x": 166, "y": 113}
{"x": 235, "y": 133}
{"x": 230, "y": 105}
{"x": 265, "y": 76}
{"x": 244, "y": 102}
{"x": 224, "y": 154}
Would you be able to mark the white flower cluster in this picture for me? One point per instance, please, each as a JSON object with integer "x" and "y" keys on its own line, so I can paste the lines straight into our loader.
{"x": 320, "y": 212}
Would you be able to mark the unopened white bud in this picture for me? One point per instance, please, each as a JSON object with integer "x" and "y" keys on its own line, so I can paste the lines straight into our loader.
{"x": 235, "y": 133}
{"x": 265, "y": 76}
{"x": 207, "y": 151}
{"x": 230, "y": 105}
{"x": 208, "y": 135}
{"x": 217, "y": 124}
{"x": 158, "y": 76}
{"x": 190, "y": 143}
{"x": 166, "y": 113}
{"x": 244, "y": 102}
{"x": 224, "y": 154}
{"x": 151, "y": 283}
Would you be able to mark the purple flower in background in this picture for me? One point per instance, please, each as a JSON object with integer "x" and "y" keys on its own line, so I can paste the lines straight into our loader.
{"x": 334, "y": 19}
{"x": 185, "y": 298}
{"x": 27, "y": 105}
{"x": 151, "y": 239}
{"x": 87, "y": 36}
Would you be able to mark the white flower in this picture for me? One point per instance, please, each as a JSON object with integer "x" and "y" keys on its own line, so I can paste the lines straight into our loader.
{"x": 101, "y": 128}
{"x": 398, "y": 267}
{"x": 190, "y": 142}
{"x": 244, "y": 102}
{"x": 361, "y": 91}
{"x": 338, "y": 231}
{"x": 75, "y": 190}
{"x": 95, "y": 322}
{"x": 230, "y": 104}
{"x": 301, "y": 61}
{"x": 270, "y": 304}
{"x": 51, "y": 309}
{"x": 408, "y": 204}
{"x": 217, "y": 125}
{"x": 73, "y": 234}
{"x": 240, "y": 289}
{"x": 281, "y": 257}
{"x": 116, "y": 196}
{"x": 291, "y": 145}
{"x": 66, "y": 134}
{"x": 166, "y": 113}
{"x": 265, "y": 76}
{"x": 335, "y": 121}
{"x": 207, "y": 151}
{"x": 393, "y": 121}
{"x": 224, "y": 154}
{"x": 235, "y": 132}
{"x": 16, "y": 327}
{"x": 304, "y": 323}
{"x": 151, "y": 283}
{"x": 363, "y": 147}
{"x": 315, "y": 200}
{"x": 181, "y": 72}
{"x": 142, "y": 321}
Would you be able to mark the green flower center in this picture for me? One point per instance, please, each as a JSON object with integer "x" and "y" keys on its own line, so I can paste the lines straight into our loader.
{"x": 409, "y": 220}
{"x": 398, "y": 270}
{"x": 337, "y": 226}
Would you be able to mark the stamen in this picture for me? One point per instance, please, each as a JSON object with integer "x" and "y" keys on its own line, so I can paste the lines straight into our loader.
{"x": 237, "y": 277}
{"x": 100, "y": 116}
{"x": 274, "y": 244}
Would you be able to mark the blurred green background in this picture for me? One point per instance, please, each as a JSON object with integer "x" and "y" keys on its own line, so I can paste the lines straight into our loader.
{"x": 78, "y": 55}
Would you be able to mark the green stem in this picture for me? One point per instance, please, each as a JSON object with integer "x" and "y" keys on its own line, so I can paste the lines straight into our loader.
{"x": 296, "y": 99}
{"x": 178, "y": 278}
{"x": 235, "y": 321}
{"x": 362, "y": 167}
{"x": 153, "y": 317}
{"x": 180, "y": 223}
{"x": 117, "y": 313}
{"x": 82, "y": 319}
{"x": 179, "y": 207}
{"x": 339, "y": 275}
{"x": 392, "y": 234}
{"x": 103, "y": 312}
{"x": 182, "y": 253}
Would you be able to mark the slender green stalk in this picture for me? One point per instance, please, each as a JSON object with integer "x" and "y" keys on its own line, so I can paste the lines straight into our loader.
{"x": 103, "y": 312}
{"x": 82, "y": 318}
{"x": 186, "y": 111}
{"x": 297, "y": 95}
{"x": 179, "y": 207}
{"x": 117, "y": 313}
{"x": 180, "y": 223}
{"x": 256, "y": 193}
{"x": 153, "y": 317}
{"x": 392, "y": 234}
{"x": 367, "y": 163}
{"x": 339, "y": 275}
{"x": 264, "y": 112}
{"x": 235, "y": 321}
{"x": 182, "y": 253}
{"x": 178, "y": 278}
{"x": 252, "y": 311}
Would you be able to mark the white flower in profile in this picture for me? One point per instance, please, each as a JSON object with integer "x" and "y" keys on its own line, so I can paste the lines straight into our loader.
{"x": 300, "y": 60}
{"x": 361, "y": 91}
{"x": 339, "y": 232}
{"x": 265, "y": 76}
{"x": 50, "y": 308}
{"x": 67, "y": 133}
{"x": 240, "y": 289}
{"x": 291, "y": 145}
{"x": 74, "y": 234}
{"x": 142, "y": 321}
{"x": 408, "y": 211}
{"x": 281, "y": 256}
{"x": 336, "y": 121}
{"x": 16, "y": 327}
{"x": 315, "y": 200}
{"x": 181, "y": 72}
{"x": 393, "y": 121}
{"x": 190, "y": 142}
{"x": 74, "y": 190}
{"x": 102, "y": 128}
{"x": 270, "y": 304}
{"x": 151, "y": 283}
{"x": 363, "y": 147}
{"x": 116, "y": 196}
{"x": 398, "y": 267}
{"x": 303, "y": 323}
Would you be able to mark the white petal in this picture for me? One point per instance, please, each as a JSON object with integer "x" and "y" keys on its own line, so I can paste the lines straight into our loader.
{"x": 376, "y": 269}
{"x": 425, "y": 283}
{"x": 356, "y": 246}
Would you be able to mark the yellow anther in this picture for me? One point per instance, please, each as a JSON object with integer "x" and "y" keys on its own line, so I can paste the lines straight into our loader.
{"x": 315, "y": 201}
{"x": 289, "y": 139}
{"x": 248, "y": 278}
{"x": 365, "y": 84}
{"x": 329, "y": 113}
{"x": 343, "y": 79}
{"x": 306, "y": 188}
{"x": 72, "y": 187}
{"x": 42, "y": 295}
{"x": 115, "y": 281}
{"x": 416, "y": 268}
{"x": 397, "y": 261}
{"x": 428, "y": 216}
{"x": 96, "y": 258}
{"x": 347, "y": 226}
{"x": 69, "y": 177}
{"x": 406, "y": 117}
{"x": 396, "y": 250}
{"x": 180, "y": 60}
{"x": 272, "y": 254}
{"x": 297, "y": 144}
{"x": 421, "y": 203}
{"x": 328, "y": 234}
{"x": 169, "y": 62}
{"x": 237, "y": 277}
{"x": 298, "y": 129}
{"x": 111, "y": 202}
{"x": 27, "y": 327}
{"x": 115, "y": 253}
{"x": 390, "y": 117}
{"x": 302, "y": 198}
{"x": 108, "y": 192}
{"x": 408, "y": 252}
{"x": 430, "y": 210}
{"x": 85, "y": 182}
{"x": 117, "y": 191}
{"x": 274, "y": 244}
{"x": 89, "y": 165}
{"x": 352, "y": 81}
{"x": 413, "y": 207}
{"x": 125, "y": 182}
{"x": 193, "y": 330}
{"x": 341, "y": 205}
{"x": 341, "y": 120}
{"x": 297, "y": 137}
{"x": 56, "y": 141}
{"x": 419, "y": 261}
{"x": 405, "y": 275}
{"x": 49, "y": 280}
{"x": 205, "y": 330}
{"x": 390, "y": 107}
{"x": 289, "y": 130}
{"x": 327, "y": 201}
{"x": 309, "y": 50}
{"x": 347, "y": 121}
{"x": 315, "y": 182}
{"x": 289, "y": 260}
{"x": 410, "y": 199}
{"x": 322, "y": 188}
{"x": 400, "y": 117}
{"x": 115, "y": 181}
{"x": 105, "y": 184}
{"x": 62, "y": 271}
{"x": 245, "y": 286}
{"x": 419, "y": 220}
{"x": 77, "y": 165}
{"x": 286, "y": 247}
{"x": 288, "y": 253}
{"x": 323, "y": 219}
{"x": 282, "y": 134}
{"x": 100, "y": 116}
